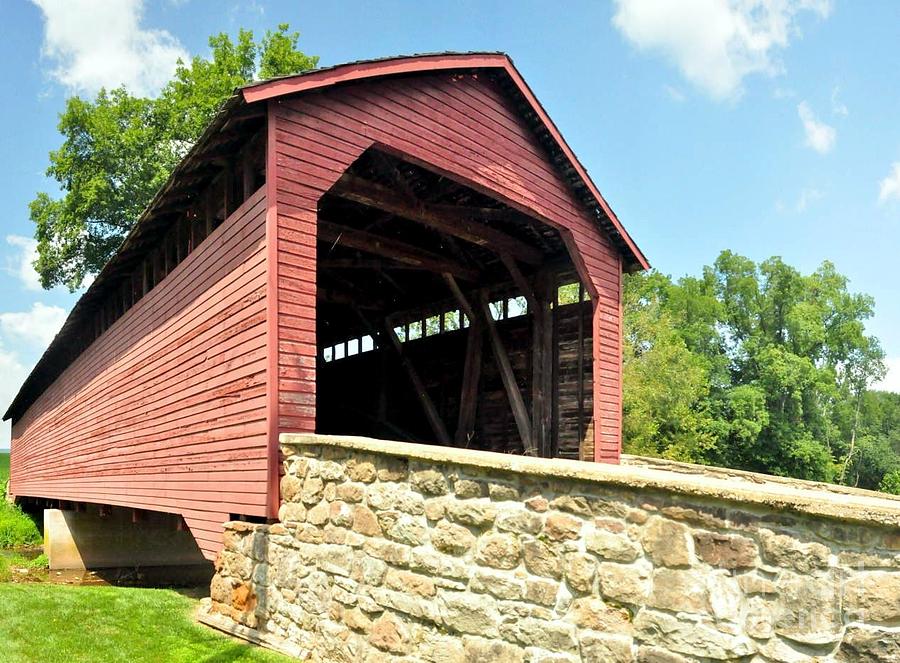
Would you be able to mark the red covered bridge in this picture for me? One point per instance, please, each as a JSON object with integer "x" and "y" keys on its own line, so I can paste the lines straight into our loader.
{"x": 403, "y": 248}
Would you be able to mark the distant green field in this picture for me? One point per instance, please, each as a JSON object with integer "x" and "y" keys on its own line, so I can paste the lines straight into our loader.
{"x": 4, "y": 468}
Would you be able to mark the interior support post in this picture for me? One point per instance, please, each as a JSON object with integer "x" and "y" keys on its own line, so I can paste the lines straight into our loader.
{"x": 542, "y": 366}
{"x": 579, "y": 393}
{"x": 516, "y": 402}
{"x": 482, "y": 315}
{"x": 247, "y": 179}
{"x": 538, "y": 300}
{"x": 431, "y": 413}
{"x": 468, "y": 400}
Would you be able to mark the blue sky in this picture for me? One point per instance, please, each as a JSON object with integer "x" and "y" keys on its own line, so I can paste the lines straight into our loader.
{"x": 769, "y": 128}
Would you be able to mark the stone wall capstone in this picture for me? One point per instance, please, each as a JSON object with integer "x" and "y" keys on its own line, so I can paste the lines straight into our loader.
{"x": 388, "y": 551}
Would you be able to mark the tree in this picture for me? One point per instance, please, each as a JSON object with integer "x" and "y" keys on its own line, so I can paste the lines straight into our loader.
{"x": 118, "y": 150}
{"x": 877, "y": 452}
{"x": 753, "y": 366}
{"x": 666, "y": 385}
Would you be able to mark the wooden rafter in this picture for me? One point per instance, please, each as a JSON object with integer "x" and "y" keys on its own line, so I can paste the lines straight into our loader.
{"x": 333, "y": 295}
{"x": 363, "y": 263}
{"x": 482, "y": 213}
{"x": 388, "y": 167}
{"x": 365, "y": 192}
{"x": 393, "y": 249}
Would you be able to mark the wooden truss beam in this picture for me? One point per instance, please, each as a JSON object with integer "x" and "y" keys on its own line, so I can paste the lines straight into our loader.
{"x": 443, "y": 219}
{"x": 431, "y": 413}
{"x": 538, "y": 298}
{"x": 468, "y": 399}
{"x": 391, "y": 248}
{"x": 482, "y": 316}
{"x": 516, "y": 402}
{"x": 332, "y": 295}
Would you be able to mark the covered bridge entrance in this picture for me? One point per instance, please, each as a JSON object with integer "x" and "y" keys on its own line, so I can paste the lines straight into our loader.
{"x": 402, "y": 248}
{"x": 439, "y": 317}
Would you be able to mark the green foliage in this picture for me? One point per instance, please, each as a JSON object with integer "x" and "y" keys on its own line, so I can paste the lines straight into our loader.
{"x": 40, "y": 622}
{"x": 759, "y": 367}
{"x": 39, "y": 562}
{"x": 118, "y": 150}
{"x": 891, "y": 483}
{"x": 17, "y": 529}
{"x": 665, "y": 385}
{"x": 877, "y": 451}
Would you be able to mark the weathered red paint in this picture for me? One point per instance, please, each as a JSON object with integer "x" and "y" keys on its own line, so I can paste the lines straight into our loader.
{"x": 463, "y": 127}
{"x": 165, "y": 411}
{"x": 272, "y": 457}
{"x": 434, "y": 63}
{"x": 177, "y": 407}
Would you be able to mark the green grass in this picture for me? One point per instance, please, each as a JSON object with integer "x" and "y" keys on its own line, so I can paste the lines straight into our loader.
{"x": 63, "y": 624}
{"x": 36, "y": 568}
{"x": 16, "y": 528}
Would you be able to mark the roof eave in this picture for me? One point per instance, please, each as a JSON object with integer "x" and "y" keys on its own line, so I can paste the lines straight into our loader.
{"x": 265, "y": 90}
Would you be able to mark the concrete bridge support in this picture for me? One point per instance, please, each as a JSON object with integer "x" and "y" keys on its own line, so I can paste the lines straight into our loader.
{"x": 110, "y": 537}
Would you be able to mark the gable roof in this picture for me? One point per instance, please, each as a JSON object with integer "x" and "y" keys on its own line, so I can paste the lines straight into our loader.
{"x": 532, "y": 110}
{"x": 59, "y": 354}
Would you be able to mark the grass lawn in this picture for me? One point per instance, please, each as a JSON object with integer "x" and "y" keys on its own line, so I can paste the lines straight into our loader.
{"x": 44, "y": 623}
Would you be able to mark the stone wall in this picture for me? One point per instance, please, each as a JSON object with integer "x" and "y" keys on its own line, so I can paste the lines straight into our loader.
{"x": 389, "y": 551}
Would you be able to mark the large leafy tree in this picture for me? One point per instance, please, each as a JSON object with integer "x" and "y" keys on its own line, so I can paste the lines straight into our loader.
{"x": 119, "y": 149}
{"x": 755, "y": 366}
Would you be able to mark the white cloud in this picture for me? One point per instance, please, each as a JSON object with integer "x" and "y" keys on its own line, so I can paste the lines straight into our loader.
{"x": 806, "y": 198}
{"x": 22, "y": 264}
{"x": 891, "y": 381}
{"x": 14, "y": 374}
{"x": 819, "y": 136}
{"x": 715, "y": 43}
{"x": 98, "y": 43}
{"x": 23, "y": 336}
{"x": 37, "y": 326}
{"x": 837, "y": 106}
{"x": 890, "y": 185}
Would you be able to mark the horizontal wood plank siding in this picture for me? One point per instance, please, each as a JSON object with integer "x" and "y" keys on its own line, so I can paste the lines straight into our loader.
{"x": 166, "y": 410}
{"x": 465, "y": 127}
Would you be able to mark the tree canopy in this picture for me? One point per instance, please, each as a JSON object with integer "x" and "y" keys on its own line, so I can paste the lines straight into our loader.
{"x": 760, "y": 367}
{"x": 119, "y": 149}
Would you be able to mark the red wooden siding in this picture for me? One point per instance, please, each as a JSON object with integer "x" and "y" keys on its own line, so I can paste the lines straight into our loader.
{"x": 463, "y": 126}
{"x": 166, "y": 410}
